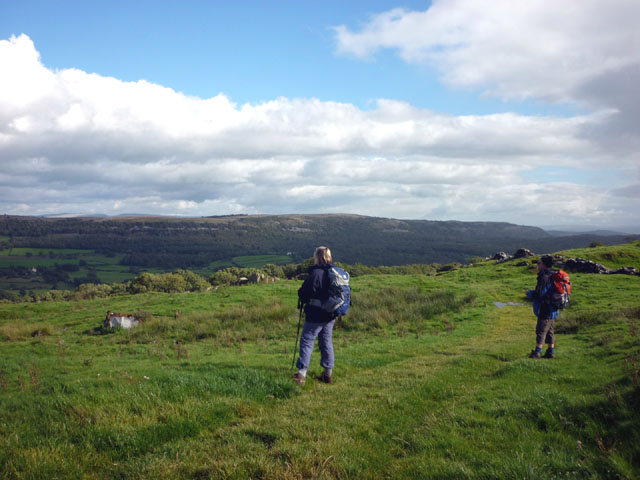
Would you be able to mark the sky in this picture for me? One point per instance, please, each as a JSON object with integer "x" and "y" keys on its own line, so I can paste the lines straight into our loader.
{"x": 523, "y": 112}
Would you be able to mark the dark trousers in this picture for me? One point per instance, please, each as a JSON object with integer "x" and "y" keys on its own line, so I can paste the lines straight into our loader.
{"x": 544, "y": 331}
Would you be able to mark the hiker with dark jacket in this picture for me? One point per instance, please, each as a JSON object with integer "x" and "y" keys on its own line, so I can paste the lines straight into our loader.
{"x": 543, "y": 309}
{"x": 318, "y": 322}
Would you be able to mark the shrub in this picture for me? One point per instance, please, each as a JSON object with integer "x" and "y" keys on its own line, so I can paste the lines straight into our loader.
{"x": 88, "y": 291}
{"x": 163, "y": 282}
{"x": 194, "y": 282}
{"x": 142, "y": 283}
{"x": 231, "y": 275}
{"x": 273, "y": 270}
{"x": 449, "y": 266}
{"x": 169, "y": 283}
{"x": 119, "y": 289}
{"x": 222, "y": 277}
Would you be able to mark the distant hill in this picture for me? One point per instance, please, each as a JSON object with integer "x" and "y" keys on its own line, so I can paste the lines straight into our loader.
{"x": 172, "y": 242}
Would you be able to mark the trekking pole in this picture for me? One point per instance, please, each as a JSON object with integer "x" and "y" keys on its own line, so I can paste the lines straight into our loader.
{"x": 295, "y": 348}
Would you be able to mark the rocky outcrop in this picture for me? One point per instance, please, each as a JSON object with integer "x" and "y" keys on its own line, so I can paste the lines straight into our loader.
{"x": 501, "y": 257}
{"x": 580, "y": 265}
{"x": 626, "y": 271}
{"x": 577, "y": 265}
{"x": 256, "y": 277}
{"x": 523, "y": 253}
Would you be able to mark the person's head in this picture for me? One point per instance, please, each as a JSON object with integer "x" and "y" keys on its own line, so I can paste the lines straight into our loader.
{"x": 546, "y": 261}
{"x": 322, "y": 255}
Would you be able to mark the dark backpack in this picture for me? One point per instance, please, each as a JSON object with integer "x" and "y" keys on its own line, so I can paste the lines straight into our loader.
{"x": 339, "y": 292}
{"x": 561, "y": 293}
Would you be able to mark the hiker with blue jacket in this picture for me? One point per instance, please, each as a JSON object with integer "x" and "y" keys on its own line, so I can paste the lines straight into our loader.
{"x": 318, "y": 322}
{"x": 544, "y": 309}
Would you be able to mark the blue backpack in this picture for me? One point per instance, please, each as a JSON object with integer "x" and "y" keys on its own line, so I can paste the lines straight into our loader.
{"x": 339, "y": 292}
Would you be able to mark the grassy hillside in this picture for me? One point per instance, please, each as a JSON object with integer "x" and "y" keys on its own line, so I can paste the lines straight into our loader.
{"x": 432, "y": 380}
{"x": 196, "y": 242}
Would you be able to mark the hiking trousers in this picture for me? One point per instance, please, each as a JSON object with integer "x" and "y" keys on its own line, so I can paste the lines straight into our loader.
{"x": 544, "y": 331}
{"x": 324, "y": 332}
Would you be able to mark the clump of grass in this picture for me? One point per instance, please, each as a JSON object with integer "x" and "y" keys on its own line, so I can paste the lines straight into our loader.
{"x": 62, "y": 350}
{"x": 634, "y": 365}
{"x": 253, "y": 321}
{"x": 632, "y": 315}
{"x": 570, "y": 322}
{"x": 407, "y": 308}
{"x": 18, "y": 331}
{"x": 181, "y": 351}
{"x": 34, "y": 375}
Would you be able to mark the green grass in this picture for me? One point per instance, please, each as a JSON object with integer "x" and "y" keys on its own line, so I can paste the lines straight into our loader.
{"x": 107, "y": 268}
{"x": 9, "y": 261}
{"x": 257, "y": 261}
{"x": 431, "y": 381}
{"x": 249, "y": 261}
{"x": 20, "y": 251}
{"x": 612, "y": 257}
{"x": 219, "y": 264}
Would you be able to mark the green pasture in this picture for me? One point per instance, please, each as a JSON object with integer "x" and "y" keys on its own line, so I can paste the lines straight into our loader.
{"x": 29, "y": 284}
{"x": 249, "y": 261}
{"x": 218, "y": 265}
{"x": 48, "y": 257}
{"x": 22, "y": 251}
{"x": 10, "y": 261}
{"x": 432, "y": 380}
{"x": 108, "y": 268}
{"x": 258, "y": 261}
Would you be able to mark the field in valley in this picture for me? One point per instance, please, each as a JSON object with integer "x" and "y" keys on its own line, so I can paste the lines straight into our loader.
{"x": 62, "y": 267}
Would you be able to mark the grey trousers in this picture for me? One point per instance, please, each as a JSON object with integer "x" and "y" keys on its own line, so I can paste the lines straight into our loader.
{"x": 544, "y": 331}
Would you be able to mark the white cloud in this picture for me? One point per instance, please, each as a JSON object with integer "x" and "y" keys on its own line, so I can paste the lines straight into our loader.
{"x": 542, "y": 49}
{"x": 584, "y": 52}
{"x": 71, "y": 140}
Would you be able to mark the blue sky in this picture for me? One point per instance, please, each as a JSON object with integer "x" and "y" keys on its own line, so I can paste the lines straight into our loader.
{"x": 251, "y": 51}
{"x": 447, "y": 110}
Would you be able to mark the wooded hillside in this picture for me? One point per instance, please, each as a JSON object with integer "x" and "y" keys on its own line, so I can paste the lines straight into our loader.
{"x": 192, "y": 242}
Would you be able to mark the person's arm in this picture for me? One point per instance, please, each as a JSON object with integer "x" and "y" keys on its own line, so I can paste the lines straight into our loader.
{"x": 306, "y": 291}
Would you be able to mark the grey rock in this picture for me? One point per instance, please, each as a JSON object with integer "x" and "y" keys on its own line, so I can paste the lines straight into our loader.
{"x": 523, "y": 253}
{"x": 581, "y": 265}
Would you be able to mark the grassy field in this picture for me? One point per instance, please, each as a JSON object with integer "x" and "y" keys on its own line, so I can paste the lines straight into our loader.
{"x": 108, "y": 269}
{"x": 432, "y": 380}
{"x": 248, "y": 261}
{"x": 257, "y": 261}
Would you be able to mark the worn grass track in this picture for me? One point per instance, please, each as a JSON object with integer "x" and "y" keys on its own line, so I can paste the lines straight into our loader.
{"x": 461, "y": 405}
